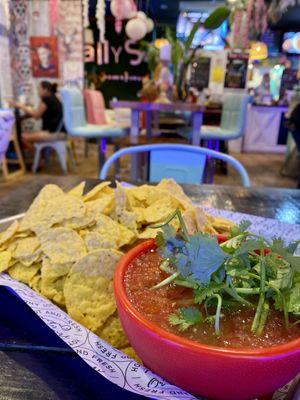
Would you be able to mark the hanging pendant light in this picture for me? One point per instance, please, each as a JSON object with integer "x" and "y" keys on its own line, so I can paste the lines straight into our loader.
{"x": 258, "y": 51}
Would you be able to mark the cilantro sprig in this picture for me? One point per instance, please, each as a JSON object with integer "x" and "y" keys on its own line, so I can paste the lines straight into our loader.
{"x": 246, "y": 270}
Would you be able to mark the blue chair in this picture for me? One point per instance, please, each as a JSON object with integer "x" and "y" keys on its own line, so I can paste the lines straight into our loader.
{"x": 77, "y": 126}
{"x": 182, "y": 162}
{"x": 232, "y": 120}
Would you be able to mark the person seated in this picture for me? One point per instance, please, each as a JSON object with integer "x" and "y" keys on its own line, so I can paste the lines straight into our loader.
{"x": 49, "y": 111}
{"x": 262, "y": 94}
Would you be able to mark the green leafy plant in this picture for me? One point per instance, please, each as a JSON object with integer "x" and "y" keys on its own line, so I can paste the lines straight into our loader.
{"x": 247, "y": 270}
{"x": 182, "y": 55}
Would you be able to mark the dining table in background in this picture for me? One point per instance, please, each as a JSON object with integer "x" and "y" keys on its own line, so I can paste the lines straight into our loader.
{"x": 34, "y": 362}
{"x": 150, "y": 109}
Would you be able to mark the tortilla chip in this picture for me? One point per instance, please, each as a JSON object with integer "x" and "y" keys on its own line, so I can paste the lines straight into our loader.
{"x": 222, "y": 225}
{"x": 159, "y": 211}
{"x": 113, "y": 232}
{"x": 47, "y": 212}
{"x": 9, "y": 232}
{"x": 54, "y": 290}
{"x": 35, "y": 282}
{"x": 62, "y": 245}
{"x": 27, "y": 248}
{"x": 140, "y": 217}
{"x": 88, "y": 289}
{"x": 101, "y": 262}
{"x": 96, "y": 241}
{"x": 113, "y": 333}
{"x": 131, "y": 353}
{"x": 176, "y": 191}
{"x": 148, "y": 233}
{"x": 126, "y": 236}
{"x": 5, "y": 258}
{"x": 102, "y": 189}
{"x": 22, "y": 273}
{"x": 143, "y": 196}
{"x": 123, "y": 212}
{"x": 78, "y": 190}
{"x": 53, "y": 277}
{"x": 104, "y": 205}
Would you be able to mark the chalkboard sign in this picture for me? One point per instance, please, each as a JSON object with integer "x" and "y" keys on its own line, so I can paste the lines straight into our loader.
{"x": 236, "y": 71}
{"x": 200, "y": 73}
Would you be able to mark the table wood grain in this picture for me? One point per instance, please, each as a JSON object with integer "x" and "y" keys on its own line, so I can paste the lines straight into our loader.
{"x": 53, "y": 375}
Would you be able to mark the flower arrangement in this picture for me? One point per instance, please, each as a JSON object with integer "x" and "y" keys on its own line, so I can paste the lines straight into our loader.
{"x": 249, "y": 21}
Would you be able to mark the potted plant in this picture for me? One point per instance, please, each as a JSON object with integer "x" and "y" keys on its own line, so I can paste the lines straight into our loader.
{"x": 182, "y": 55}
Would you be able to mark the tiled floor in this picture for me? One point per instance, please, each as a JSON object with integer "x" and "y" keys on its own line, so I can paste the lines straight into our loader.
{"x": 263, "y": 169}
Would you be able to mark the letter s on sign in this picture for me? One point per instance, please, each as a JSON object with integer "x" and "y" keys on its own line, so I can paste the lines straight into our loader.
{"x": 139, "y": 54}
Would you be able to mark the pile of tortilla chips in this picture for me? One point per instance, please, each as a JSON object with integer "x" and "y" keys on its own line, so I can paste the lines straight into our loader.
{"x": 68, "y": 244}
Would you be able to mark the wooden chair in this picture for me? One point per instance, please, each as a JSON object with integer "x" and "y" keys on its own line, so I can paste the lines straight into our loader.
{"x": 8, "y": 136}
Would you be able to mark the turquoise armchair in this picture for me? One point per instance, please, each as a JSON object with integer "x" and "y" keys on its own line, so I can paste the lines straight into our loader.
{"x": 232, "y": 120}
{"x": 77, "y": 126}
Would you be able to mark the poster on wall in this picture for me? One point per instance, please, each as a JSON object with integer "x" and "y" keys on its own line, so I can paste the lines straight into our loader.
{"x": 44, "y": 56}
{"x": 73, "y": 73}
{"x": 236, "y": 71}
{"x": 200, "y": 73}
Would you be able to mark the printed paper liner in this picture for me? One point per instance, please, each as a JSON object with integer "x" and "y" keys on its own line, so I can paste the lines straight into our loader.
{"x": 117, "y": 367}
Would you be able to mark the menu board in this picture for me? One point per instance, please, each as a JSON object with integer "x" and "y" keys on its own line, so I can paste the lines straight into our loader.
{"x": 236, "y": 71}
{"x": 200, "y": 73}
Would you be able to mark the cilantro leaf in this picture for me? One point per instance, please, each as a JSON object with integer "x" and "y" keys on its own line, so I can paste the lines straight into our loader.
{"x": 292, "y": 247}
{"x": 186, "y": 317}
{"x": 241, "y": 228}
{"x": 278, "y": 247}
{"x": 294, "y": 300}
{"x": 203, "y": 292}
{"x": 248, "y": 246}
{"x": 237, "y": 266}
{"x": 279, "y": 272}
{"x": 201, "y": 257}
{"x": 244, "y": 225}
{"x": 167, "y": 232}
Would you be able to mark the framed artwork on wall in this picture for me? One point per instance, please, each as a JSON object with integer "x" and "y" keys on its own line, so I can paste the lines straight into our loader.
{"x": 44, "y": 56}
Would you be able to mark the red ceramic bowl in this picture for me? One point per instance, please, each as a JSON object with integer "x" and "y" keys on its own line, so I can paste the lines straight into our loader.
{"x": 213, "y": 372}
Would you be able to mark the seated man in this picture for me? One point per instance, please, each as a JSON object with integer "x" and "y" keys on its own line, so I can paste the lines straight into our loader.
{"x": 49, "y": 111}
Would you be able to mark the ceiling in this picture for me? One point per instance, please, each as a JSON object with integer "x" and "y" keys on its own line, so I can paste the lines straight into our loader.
{"x": 165, "y": 12}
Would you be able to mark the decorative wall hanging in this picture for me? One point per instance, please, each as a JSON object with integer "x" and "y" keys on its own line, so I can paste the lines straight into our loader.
{"x": 249, "y": 22}
{"x": 121, "y": 9}
{"x": 39, "y": 23}
{"x": 23, "y": 83}
{"x": 20, "y": 51}
{"x": 100, "y": 16}
{"x": 70, "y": 36}
{"x": 5, "y": 67}
{"x": 54, "y": 15}
{"x": 85, "y": 13}
{"x": 5, "y": 5}
{"x": 137, "y": 27}
{"x": 278, "y": 7}
{"x": 73, "y": 73}
{"x": 44, "y": 57}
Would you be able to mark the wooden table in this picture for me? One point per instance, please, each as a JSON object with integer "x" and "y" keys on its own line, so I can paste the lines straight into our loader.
{"x": 29, "y": 369}
{"x": 150, "y": 108}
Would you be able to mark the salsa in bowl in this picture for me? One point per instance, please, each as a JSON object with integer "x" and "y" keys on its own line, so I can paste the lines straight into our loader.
{"x": 221, "y": 351}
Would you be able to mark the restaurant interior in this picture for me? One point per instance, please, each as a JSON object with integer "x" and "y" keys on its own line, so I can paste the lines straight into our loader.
{"x": 145, "y": 128}
{"x": 168, "y": 75}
